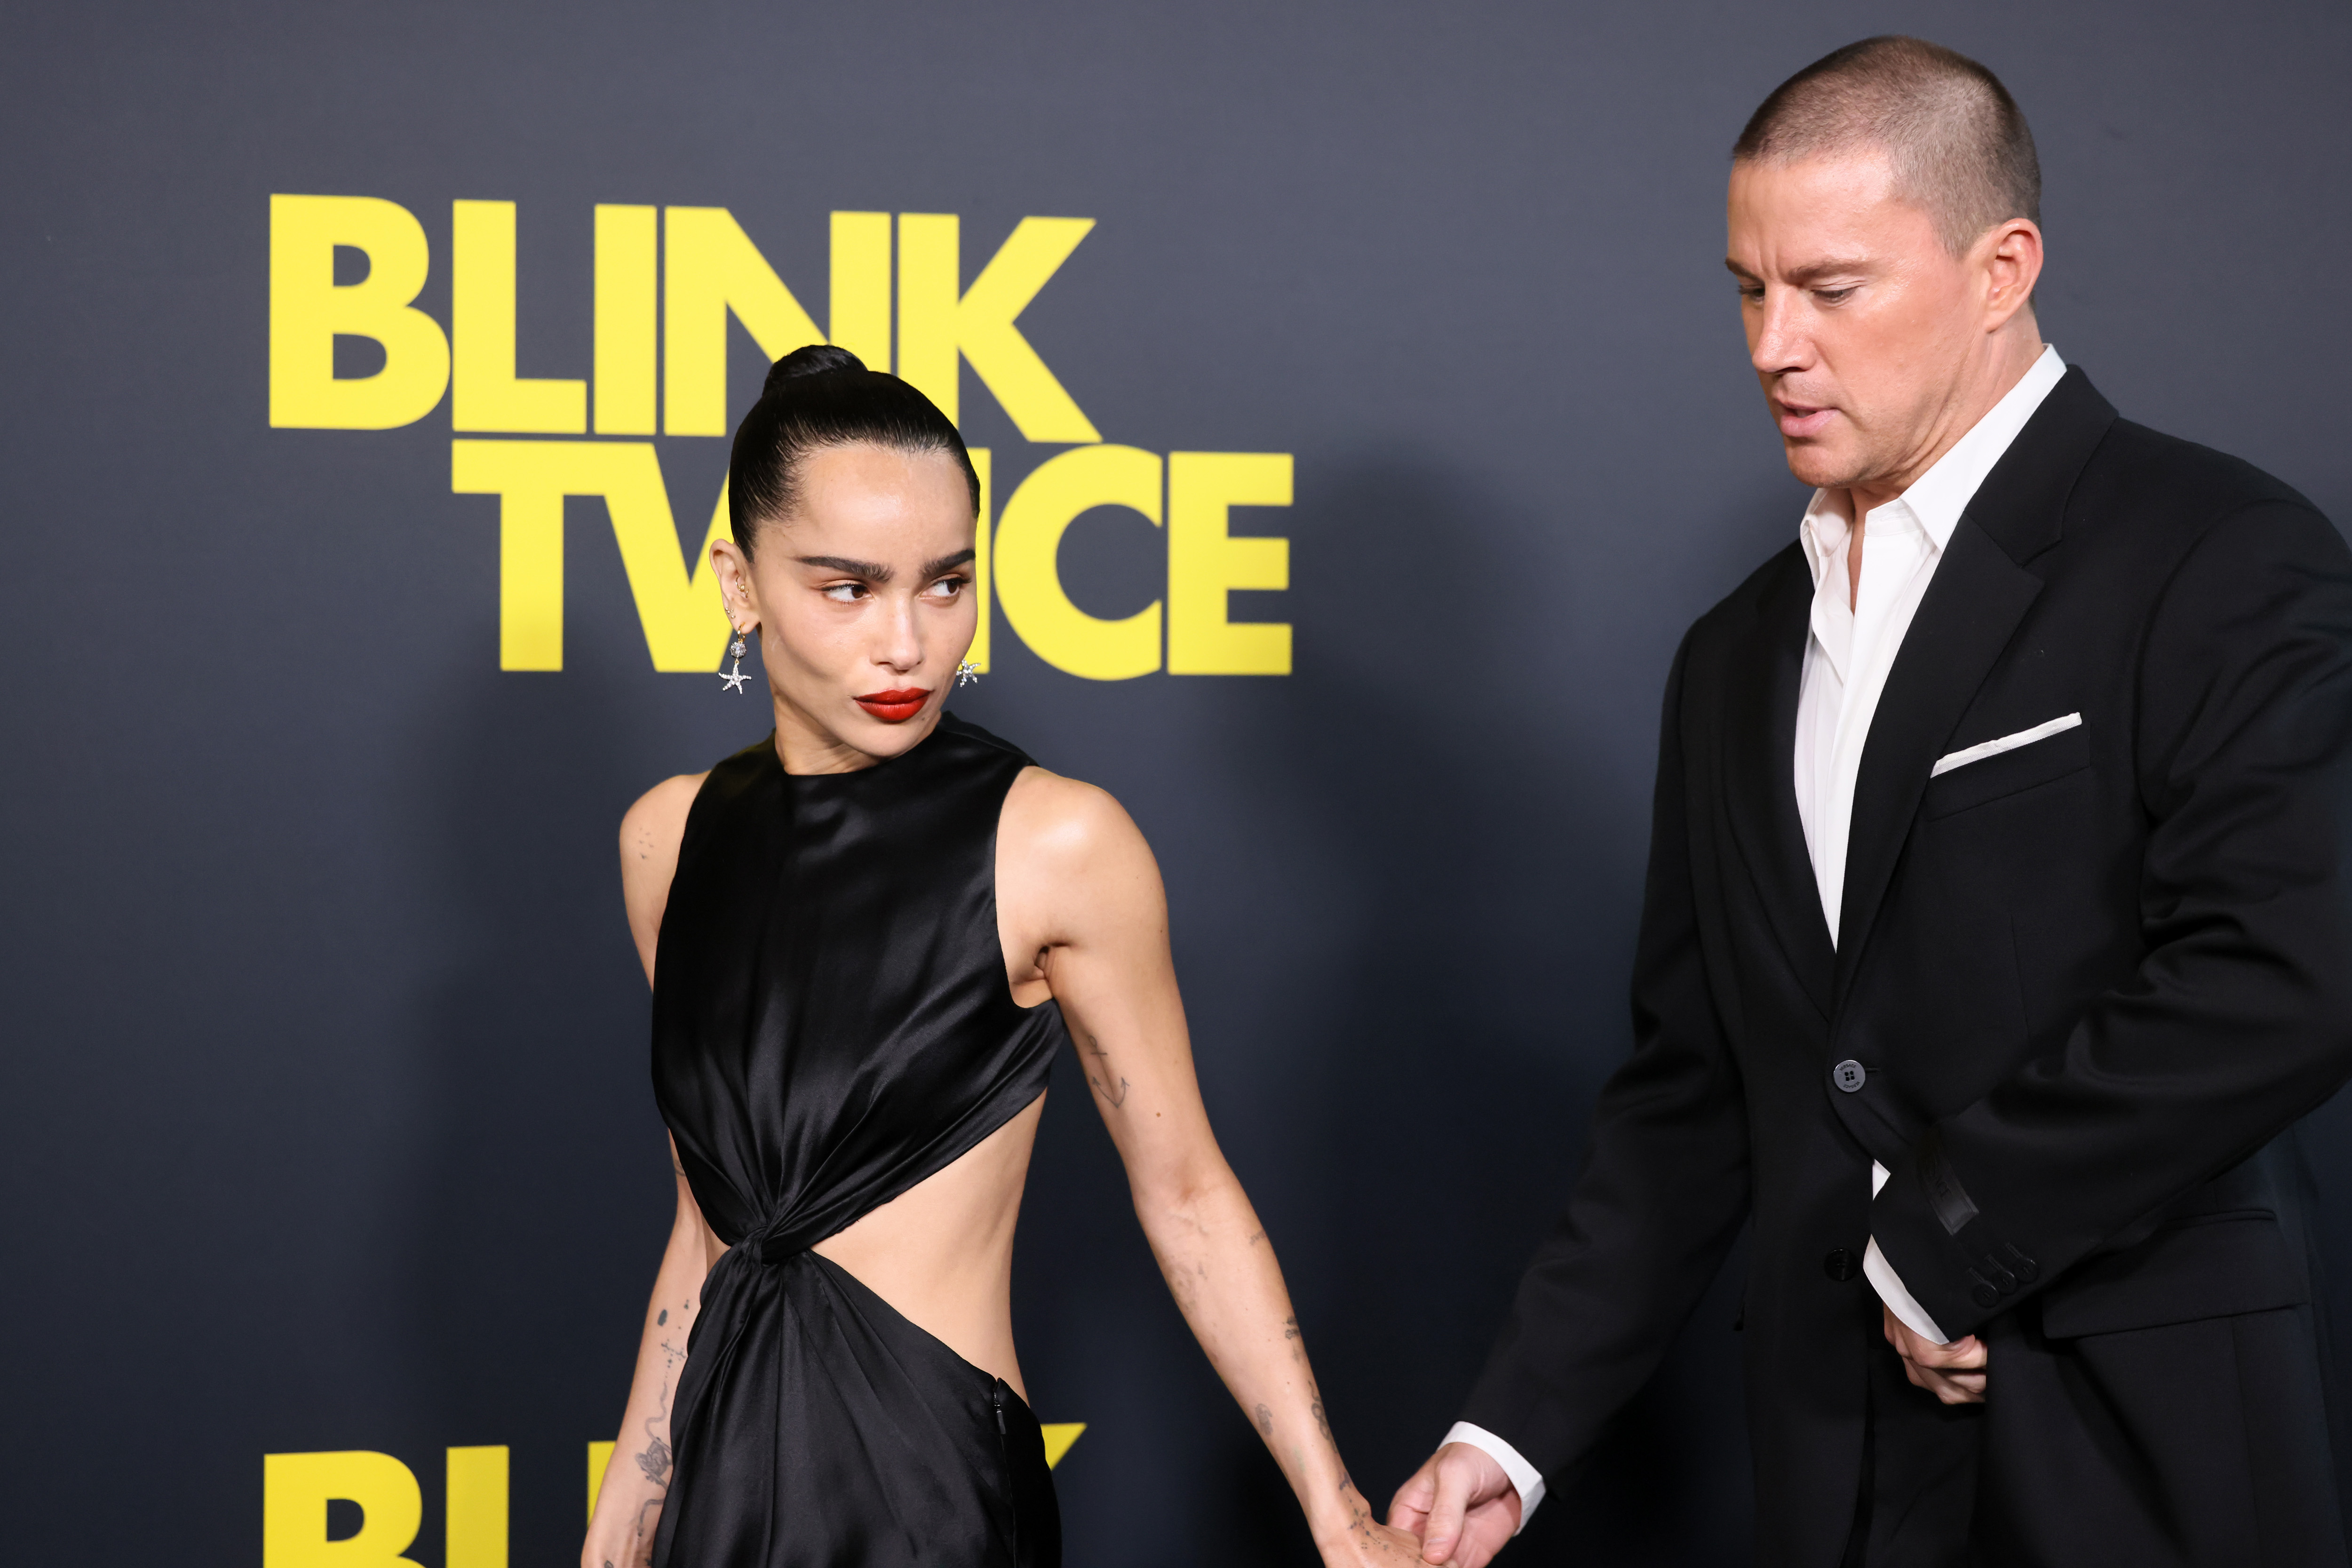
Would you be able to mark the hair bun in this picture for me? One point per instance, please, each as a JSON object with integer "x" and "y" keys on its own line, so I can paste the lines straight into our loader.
{"x": 816, "y": 359}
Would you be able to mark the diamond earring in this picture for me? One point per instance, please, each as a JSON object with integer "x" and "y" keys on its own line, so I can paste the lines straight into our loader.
{"x": 734, "y": 680}
{"x": 966, "y": 674}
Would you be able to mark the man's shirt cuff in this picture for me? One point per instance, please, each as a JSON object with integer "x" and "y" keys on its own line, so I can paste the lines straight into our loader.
{"x": 1523, "y": 1475}
{"x": 1889, "y": 1284}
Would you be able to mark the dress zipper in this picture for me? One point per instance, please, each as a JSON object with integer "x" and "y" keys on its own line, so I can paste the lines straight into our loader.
{"x": 1004, "y": 1458}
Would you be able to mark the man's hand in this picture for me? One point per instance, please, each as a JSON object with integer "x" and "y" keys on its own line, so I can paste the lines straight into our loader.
{"x": 1954, "y": 1374}
{"x": 1461, "y": 1505}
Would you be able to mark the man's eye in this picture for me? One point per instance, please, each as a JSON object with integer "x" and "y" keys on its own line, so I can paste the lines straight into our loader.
{"x": 844, "y": 593}
{"x": 1832, "y": 296}
{"x": 1750, "y": 293}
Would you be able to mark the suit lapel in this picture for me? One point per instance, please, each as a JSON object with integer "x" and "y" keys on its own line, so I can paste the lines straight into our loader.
{"x": 1979, "y": 593}
{"x": 1973, "y": 603}
{"x": 1759, "y": 757}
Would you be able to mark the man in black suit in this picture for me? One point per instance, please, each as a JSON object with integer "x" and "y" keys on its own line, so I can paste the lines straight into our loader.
{"x": 1995, "y": 935}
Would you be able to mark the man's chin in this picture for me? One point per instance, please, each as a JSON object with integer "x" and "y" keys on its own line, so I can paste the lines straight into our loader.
{"x": 1823, "y": 468}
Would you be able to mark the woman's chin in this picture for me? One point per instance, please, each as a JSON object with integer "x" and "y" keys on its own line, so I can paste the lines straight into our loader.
{"x": 835, "y": 730}
{"x": 881, "y": 736}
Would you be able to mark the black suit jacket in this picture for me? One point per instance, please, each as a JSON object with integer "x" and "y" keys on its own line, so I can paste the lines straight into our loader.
{"x": 2086, "y": 981}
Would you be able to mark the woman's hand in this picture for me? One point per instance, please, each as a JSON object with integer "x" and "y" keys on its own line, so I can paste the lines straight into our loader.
{"x": 1355, "y": 1538}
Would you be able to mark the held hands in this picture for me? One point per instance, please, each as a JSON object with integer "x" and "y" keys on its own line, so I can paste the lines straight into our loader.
{"x": 1954, "y": 1374}
{"x": 1461, "y": 1505}
{"x": 1353, "y": 1538}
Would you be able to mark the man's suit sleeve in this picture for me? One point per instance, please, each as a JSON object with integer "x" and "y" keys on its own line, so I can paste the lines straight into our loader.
{"x": 1665, "y": 1186}
{"x": 2239, "y": 1019}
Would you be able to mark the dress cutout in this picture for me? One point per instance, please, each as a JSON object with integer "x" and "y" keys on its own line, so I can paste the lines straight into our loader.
{"x": 832, "y": 1024}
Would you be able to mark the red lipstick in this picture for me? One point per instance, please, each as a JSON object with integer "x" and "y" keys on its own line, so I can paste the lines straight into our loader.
{"x": 895, "y": 707}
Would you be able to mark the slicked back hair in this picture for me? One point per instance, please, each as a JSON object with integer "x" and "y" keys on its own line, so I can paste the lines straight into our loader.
{"x": 820, "y": 396}
{"x": 1960, "y": 149}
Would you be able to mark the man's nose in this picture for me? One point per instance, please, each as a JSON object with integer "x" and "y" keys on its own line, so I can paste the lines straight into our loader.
{"x": 1781, "y": 343}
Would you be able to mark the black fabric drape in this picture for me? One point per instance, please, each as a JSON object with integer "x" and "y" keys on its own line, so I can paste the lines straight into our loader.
{"x": 832, "y": 1024}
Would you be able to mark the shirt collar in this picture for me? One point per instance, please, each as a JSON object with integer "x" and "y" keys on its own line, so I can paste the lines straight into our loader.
{"x": 1937, "y": 497}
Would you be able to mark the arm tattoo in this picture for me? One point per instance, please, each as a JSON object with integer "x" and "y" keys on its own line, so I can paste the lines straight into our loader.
{"x": 655, "y": 1459}
{"x": 1102, "y": 1084}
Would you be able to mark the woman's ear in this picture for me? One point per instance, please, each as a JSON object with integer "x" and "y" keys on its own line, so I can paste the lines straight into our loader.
{"x": 735, "y": 590}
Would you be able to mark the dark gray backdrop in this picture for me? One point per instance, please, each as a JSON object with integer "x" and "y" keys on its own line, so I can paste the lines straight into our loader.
{"x": 327, "y": 1123}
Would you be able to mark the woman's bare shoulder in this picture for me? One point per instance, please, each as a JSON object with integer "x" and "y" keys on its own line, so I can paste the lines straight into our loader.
{"x": 1069, "y": 857}
{"x": 1050, "y": 818}
{"x": 650, "y": 829}
{"x": 650, "y": 833}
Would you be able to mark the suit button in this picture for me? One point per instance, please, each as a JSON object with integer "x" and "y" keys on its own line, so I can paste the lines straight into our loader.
{"x": 1841, "y": 1265}
{"x": 1849, "y": 1075}
{"x": 1985, "y": 1294}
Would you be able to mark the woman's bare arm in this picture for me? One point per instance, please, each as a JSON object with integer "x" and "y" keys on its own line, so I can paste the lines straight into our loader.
{"x": 636, "y": 1479}
{"x": 1080, "y": 892}
{"x": 649, "y": 839}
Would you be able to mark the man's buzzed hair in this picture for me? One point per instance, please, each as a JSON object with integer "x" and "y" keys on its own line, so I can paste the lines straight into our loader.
{"x": 1961, "y": 151}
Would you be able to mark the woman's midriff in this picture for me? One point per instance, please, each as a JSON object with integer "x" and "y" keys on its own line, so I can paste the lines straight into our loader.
{"x": 941, "y": 1252}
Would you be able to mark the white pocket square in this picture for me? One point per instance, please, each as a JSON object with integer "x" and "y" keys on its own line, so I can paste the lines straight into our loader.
{"x": 1979, "y": 751}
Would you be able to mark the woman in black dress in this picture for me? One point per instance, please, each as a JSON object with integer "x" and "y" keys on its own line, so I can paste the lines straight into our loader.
{"x": 867, "y": 937}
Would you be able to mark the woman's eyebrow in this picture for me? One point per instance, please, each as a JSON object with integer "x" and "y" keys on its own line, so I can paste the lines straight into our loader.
{"x": 948, "y": 563}
{"x": 868, "y": 570}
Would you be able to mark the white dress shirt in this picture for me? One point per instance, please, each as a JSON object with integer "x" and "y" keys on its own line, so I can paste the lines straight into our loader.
{"x": 1848, "y": 656}
{"x": 1852, "y": 650}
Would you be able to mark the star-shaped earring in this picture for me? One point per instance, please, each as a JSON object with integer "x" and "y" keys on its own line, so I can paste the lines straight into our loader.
{"x": 734, "y": 680}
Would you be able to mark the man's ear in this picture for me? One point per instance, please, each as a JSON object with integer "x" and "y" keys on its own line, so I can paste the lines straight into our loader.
{"x": 2010, "y": 256}
{"x": 735, "y": 590}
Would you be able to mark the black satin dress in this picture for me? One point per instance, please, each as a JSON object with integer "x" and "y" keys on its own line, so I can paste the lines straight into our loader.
{"x": 831, "y": 1023}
